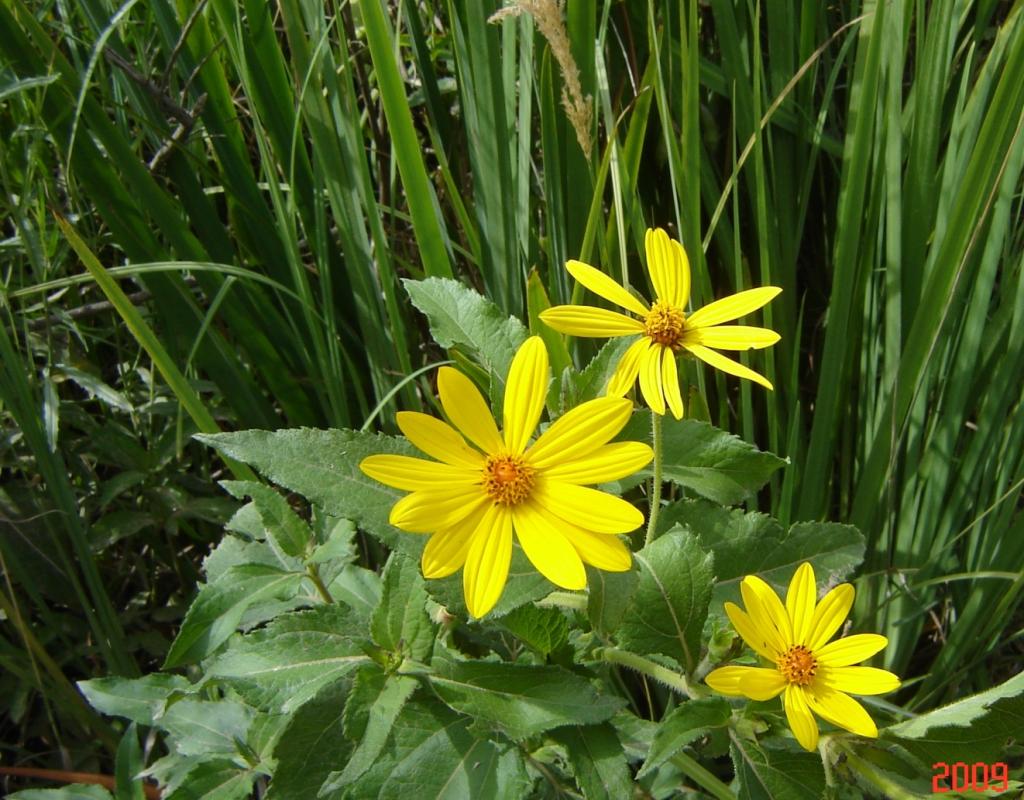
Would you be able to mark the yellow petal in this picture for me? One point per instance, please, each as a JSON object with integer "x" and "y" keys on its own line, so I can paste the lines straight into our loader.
{"x": 490, "y": 552}
{"x": 829, "y": 614}
{"x": 841, "y": 710}
{"x": 726, "y": 364}
{"x": 600, "y": 550}
{"x": 650, "y": 378}
{"x": 800, "y": 601}
{"x": 799, "y": 716}
{"x": 759, "y": 683}
{"x": 608, "y": 463}
{"x": 670, "y": 382}
{"x": 603, "y": 286}
{"x": 765, "y": 608}
{"x": 438, "y": 439}
{"x": 851, "y": 650}
{"x": 446, "y": 550}
{"x": 732, "y": 307}
{"x": 414, "y": 474}
{"x": 466, "y": 408}
{"x": 726, "y": 680}
{"x": 548, "y": 550}
{"x": 765, "y": 642}
{"x": 426, "y": 512}
{"x": 590, "y": 321}
{"x": 590, "y": 509}
{"x": 625, "y": 373}
{"x": 859, "y": 680}
{"x": 580, "y": 431}
{"x": 525, "y": 392}
{"x": 731, "y": 337}
{"x": 668, "y": 267}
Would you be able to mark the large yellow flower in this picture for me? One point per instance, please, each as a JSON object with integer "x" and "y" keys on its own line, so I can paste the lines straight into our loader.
{"x": 477, "y": 495}
{"x": 664, "y": 327}
{"x": 811, "y": 673}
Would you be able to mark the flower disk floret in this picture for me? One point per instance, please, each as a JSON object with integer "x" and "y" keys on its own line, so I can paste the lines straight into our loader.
{"x": 487, "y": 485}
{"x": 811, "y": 673}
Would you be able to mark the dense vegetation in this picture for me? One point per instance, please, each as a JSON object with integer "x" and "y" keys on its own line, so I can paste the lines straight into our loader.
{"x": 209, "y": 209}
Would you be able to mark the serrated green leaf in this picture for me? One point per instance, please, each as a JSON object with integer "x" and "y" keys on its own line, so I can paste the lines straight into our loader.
{"x": 74, "y": 791}
{"x": 283, "y": 526}
{"x": 521, "y": 700}
{"x": 213, "y": 779}
{"x": 686, "y": 723}
{"x": 670, "y": 603}
{"x": 598, "y": 761}
{"x": 311, "y": 745}
{"x": 756, "y": 544}
{"x": 590, "y": 382}
{"x": 461, "y": 317}
{"x": 610, "y": 595}
{"x": 713, "y": 463}
{"x": 400, "y": 623}
{"x": 543, "y": 629}
{"x": 397, "y": 689}
{"x": 338, "y": 545}
{"x": 200, "y": 728}
{"x": 139, "y": 699}
{"x": 974, "y": 729}
{"x": 283, "y": 665}
{"x": 359, "y": 588}
{"x": 776, "y": 773}
{"x": 218, "y": 608}
{"x": 323, "y": 466}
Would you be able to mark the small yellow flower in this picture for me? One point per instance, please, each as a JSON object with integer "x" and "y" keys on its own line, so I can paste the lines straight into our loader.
{"x": 664, "y": 327}
{"x": 497, "y": 482}
{"x": 814, "y": 675}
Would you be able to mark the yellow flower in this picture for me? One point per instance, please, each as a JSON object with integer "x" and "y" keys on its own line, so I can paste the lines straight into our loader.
{"x": 664, "y": 326}
{"x": 496, "y": 483}
{"x": 813, "y": 675}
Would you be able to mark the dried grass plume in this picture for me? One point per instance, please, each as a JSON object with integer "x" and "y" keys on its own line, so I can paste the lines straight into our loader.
{"x": 548, "y": 15}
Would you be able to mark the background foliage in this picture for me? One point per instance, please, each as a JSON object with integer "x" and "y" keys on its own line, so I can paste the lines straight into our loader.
{"x": 259, "y": 178}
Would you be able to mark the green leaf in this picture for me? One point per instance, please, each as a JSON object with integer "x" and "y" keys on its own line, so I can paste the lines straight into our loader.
{"x": 598, "y": 760}
{"x": 128, "y": 764}
{"x": 289, "y": 661}
{"x": 283, "y": 526}
{"x": 461, "y": 317}
{"x": 590, "y": 382}
{"x": 359, "y": 588}
{"x": 701, "y": 457}
{"x": 543, "y": 629}
{"x": 139, "y": 699}
{"x": 519, "y": 699}
{"x": 749, "y": 544}
{"x": 397, "y": 689}
{"x": 400, "y": 623}
{"x": 311, "y": 745}
{"x": 218, "y": 608}
{"x": 323, "y": 466}
{"x": 670, "y": 604}
{"x": 977, "y": 728}
{"x": 213, "y": 779}
{"x": 199, "y": 728}
{"x": 776, "y": 773}
{"x": 610, "y": 596}
{"x": 686, "y": 723}
{"x": 75, "y": 791}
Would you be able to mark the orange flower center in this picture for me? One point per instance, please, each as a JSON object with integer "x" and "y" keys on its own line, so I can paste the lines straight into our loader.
{"x": 507, "y": 479}
{"x": 664, "y": 325}
{"x": 797, "y": 665}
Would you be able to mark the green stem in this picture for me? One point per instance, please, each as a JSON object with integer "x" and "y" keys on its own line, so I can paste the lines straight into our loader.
{"x": 691, "y": 769}
{"x": 314, "y": 575}
{"x": 663, "y": 675}
{"x": 887, "y": 786}
{"x": 655, "y": 496}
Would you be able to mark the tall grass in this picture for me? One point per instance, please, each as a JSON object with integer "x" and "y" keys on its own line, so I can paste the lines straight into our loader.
{"x": 268, "y": 172}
